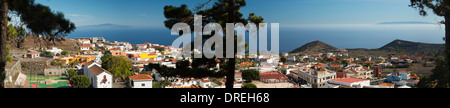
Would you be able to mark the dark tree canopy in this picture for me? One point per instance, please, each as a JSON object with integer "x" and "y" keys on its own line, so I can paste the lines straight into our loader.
{"x": 47, "y": 22}
{"x": 439, "y": 7}
{"x": 38, "y": 18}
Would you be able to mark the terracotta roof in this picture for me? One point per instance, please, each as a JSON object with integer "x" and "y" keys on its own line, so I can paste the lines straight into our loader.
{"x": 348, "y": 80}
{"x": 174, "y": 60}
{"x": 237, "y": 73}
{"x": 369, "y": 61}
{"x": 33, "y": 52}
{"x": 141, "y": 77}
{"x": 86, "y": 45}
{"x": 335, "y": 66}
{"x": 114, "y": 49}
{"x": 386, "y": 84}
{"x": 404, "y": 71}
{"x": 97, "y": 70}
{"x": 269, "y": 73}
{"x": 273, "y": 76}
{"x": 320, "y": 64}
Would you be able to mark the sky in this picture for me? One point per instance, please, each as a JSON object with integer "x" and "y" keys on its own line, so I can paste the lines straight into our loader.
{"x": 289, "y": 13}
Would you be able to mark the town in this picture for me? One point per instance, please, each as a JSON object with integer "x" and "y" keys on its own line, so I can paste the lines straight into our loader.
{"x": 55, "y": 67}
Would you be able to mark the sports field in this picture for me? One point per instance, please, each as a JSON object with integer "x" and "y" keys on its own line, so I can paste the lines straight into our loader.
{"x": 48, "y": 82}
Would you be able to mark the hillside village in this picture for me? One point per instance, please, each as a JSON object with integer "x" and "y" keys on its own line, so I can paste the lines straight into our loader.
{"x": 47, "y": 67}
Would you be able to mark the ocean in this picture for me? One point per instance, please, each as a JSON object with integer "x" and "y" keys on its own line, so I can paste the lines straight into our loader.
{"x": 291, "y": 37}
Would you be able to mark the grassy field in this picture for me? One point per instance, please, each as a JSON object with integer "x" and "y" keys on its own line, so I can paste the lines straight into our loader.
{"x": 62, "y": 81}
{"x": 40, "y": 78}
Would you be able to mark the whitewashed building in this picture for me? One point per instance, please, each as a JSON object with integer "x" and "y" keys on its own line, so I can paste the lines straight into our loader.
{"x": 86, "y": 47}
{"x": 100, "y": 78}
{"x": 55, "y": 51}
{"x": 141, "y": 81}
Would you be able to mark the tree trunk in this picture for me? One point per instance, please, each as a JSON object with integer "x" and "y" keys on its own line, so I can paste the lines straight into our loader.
{"x": 231, "y": 61}
{"x": 4, "y": 21}
{"x": 447, "y": 40}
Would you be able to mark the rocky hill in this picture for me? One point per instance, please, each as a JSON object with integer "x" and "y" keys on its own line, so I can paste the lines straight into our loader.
{"x": 314, "y": 46}
{"x": 396, "y": 46}
{"x": 36, "y": 42}
{"x": 409, "y": 47}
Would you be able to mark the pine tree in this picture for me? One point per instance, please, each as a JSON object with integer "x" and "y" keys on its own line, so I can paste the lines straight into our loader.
{"x": 38, "y": 18}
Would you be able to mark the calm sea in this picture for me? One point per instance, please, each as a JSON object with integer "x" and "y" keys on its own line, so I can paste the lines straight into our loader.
{"x": 353, "y": 36}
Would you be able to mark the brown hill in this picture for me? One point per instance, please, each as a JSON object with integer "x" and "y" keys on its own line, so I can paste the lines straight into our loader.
{"x": 36, "y": 42}
{"x": 314, "y": 46}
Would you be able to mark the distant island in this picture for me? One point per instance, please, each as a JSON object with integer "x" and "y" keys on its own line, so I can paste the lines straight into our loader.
{"x": 104, "y": 26}
{"x": 406, "y": 22}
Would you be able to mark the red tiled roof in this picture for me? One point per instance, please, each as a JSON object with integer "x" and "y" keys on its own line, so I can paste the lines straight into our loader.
{"x": 348, "y": 80}
{"x": 114, "y": 49}
{"x": 269, "y": 73}
{"x": 273, "y": 76}
{"x": 369, "y": 62}
{"x": 386, "y": 84}
{"x": 86, "y": 45}
{"x": 141, "y": 77}
{"x": 237, "y": 73}
{"x": 33, "y": 52}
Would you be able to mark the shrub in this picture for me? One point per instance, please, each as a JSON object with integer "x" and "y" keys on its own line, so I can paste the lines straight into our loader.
{"x": 80, "y": 81}
{"x": 250, "y": 74}
{"x": 249, "y": 85}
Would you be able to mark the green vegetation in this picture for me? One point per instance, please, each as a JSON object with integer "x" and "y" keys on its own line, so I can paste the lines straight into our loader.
{"x": 250, "y": 74}
{"x": 119, "y": 66}
{"x": 161, "y": 84}
{"x": 248, "y": 85}
{"x": 283, "y": 59}
{"x": 440, "y": 72}
{"x": 64, "y": 52}
{"x": 80, "y": 81}
{"x": 439, "y": 78}
{"x": 72, "y": 73}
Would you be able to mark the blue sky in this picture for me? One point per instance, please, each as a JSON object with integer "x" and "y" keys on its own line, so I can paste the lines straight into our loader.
{"x": 289, "y": 13}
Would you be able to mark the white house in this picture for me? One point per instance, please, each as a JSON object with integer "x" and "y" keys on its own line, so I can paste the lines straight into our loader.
{"x": 85, "y": 41}
{"x": 32, "y": 54}
{"x": 141, "y": 81}
{"x": 86, "y": 47}
{"x": 55, "y": 51}
{"x": 100, "y": 78}
{"x": 205, "y": 83}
